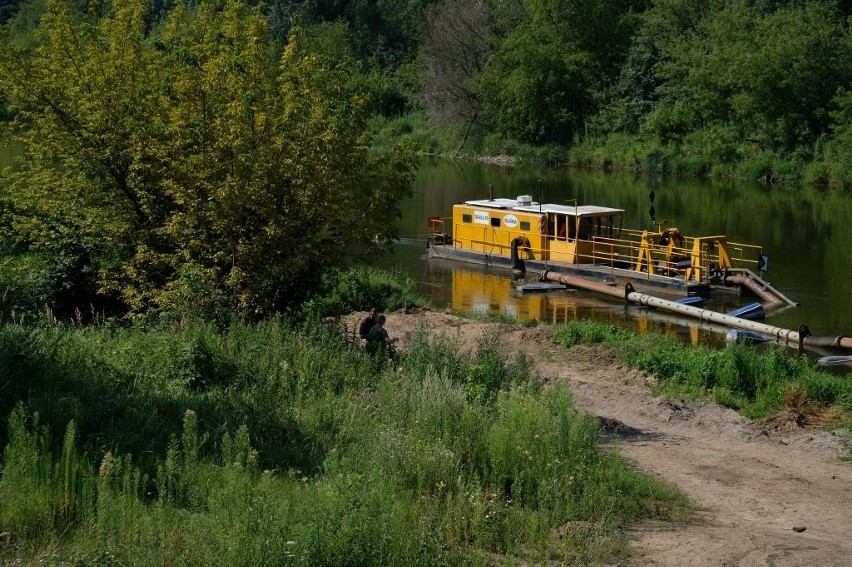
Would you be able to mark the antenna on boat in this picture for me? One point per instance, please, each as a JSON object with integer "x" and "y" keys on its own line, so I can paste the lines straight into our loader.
{"x": 539, "y": 195}
{"x": 490, "y": 191}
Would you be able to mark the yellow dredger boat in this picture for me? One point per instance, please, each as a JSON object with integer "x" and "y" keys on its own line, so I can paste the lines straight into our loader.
{"x": 591, "y": 242}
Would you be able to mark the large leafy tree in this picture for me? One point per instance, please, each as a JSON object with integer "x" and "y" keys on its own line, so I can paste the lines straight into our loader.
{"x": 201, "y": 163}
{"x": 535, "y": 86}
{"x": 773, "y": 70}
{"x": 387, "y": 31}
{"x": 540, "y": 84}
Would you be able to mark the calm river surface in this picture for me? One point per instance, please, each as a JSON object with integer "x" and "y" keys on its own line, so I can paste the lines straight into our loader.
{"x": 806, "y": 233}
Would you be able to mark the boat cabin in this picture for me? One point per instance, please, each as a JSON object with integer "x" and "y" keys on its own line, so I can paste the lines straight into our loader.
{"x": 552, "y": 233}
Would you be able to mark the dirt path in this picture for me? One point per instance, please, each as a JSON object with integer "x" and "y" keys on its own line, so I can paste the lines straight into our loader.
{"x": 770, "y": 496}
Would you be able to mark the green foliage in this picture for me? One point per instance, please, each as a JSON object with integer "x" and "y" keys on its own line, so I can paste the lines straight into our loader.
{"x": 438, "y": 356}
{"x": 8, "y": 8}
{"x": 306, "y": 456}
{"x": 585, "y": 331}
{"x": 832, "y": 163}
{"x": 359, "y": 289}
{"x": 632, "y": 96}
{"x": 504, "y": 78}
{"x": 700, "y": 88}
{"x": 535, "y": 86}
{"x": 757, "y": 69}
{"x": 195, "y": 162}
{"x": 752, "y": 90}
{"x": 25, "y": 287}
{"x": 43, "y": 495}
{"x": 414, "y": 129}
{"x": 738, "y": 376}
{"x": 715, "y": 150}
{"x": 538, "y": 85}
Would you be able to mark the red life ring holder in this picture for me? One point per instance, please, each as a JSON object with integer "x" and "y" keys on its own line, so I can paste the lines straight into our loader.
{"x": 542, "y": 224}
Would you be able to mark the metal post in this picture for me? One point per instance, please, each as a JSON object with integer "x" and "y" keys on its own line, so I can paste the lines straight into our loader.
{"x": 539, "y": 196}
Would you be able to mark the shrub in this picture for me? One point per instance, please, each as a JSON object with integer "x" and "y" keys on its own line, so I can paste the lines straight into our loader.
{"x": 358, "y": 289}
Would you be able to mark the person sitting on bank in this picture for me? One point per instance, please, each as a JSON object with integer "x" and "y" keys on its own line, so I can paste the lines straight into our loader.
{"x": 379, "y": 335}
{"x": 367, "y": 324}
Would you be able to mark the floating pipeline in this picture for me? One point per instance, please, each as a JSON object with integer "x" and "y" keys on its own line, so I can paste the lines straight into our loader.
{"x": 765, "y": 292}
{"x": 800, "y": 337}
{"x": 752, "y": 311}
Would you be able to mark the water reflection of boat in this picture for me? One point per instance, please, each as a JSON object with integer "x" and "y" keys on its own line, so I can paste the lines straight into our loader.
{"x": 590, "y": 242}
{"x": 479, "y": 290}
{"x": 482, "y": 292}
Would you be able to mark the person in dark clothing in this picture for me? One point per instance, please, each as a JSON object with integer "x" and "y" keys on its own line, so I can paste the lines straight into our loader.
{"x": 367, "y": 324}
{"x": 379, "y": 334}
{"x": 378, "y": 340}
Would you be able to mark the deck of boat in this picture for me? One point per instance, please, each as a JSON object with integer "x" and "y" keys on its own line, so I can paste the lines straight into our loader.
{"x": 641, "y": 281}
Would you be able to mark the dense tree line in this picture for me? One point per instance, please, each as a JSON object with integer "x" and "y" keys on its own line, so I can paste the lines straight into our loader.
{"x": 549, "y": 71}
{"x": 174, "y": 140}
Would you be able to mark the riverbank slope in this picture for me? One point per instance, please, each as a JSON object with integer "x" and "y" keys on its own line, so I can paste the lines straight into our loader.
{"x": 770, "y": 493}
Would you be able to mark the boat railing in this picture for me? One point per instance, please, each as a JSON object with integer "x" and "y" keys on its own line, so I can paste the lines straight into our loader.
{"x": 744, "y": 255}
{"x": 438, "y": 227}
{"x": 703, "y": 253}
{"x": 642, "y": 252}
{"x": 636, "y": 255}
{"x": 437, "y": 224}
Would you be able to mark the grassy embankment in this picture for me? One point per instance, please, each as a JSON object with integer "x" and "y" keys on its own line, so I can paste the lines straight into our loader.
{"x": 284, "y": 443}
{"x": 711, "y": 152}
{"x": 281, "y": 443}
{"x": 758, "y": 383}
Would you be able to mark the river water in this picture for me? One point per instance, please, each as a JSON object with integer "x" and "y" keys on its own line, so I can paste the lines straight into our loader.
{"x": 807, "y": 234}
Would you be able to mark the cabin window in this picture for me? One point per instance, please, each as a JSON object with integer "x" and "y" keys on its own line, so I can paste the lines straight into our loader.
{"x": 606, "y": 226}
{"x": 525, "y": 226}
{"x": 571, "y": 223}
{"x": 586, "y": 228}
{"x": 467, "y": 218}
{"x": 495, "y": 222}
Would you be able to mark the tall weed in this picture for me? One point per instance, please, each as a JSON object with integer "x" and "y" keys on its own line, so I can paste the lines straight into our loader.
{"x": 277, "y": 444}
{"x": 738, "y": 376}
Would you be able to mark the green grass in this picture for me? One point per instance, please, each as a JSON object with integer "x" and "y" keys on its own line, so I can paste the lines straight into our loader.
{"x": 459, "y": 141}
{"x": 756, "y": 383}
{"x": 494, "y": 317}
{"x": 279, "y": 443}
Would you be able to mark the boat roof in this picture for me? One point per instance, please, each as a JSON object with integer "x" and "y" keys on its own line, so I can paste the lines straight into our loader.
{"x": 534, "y": 207}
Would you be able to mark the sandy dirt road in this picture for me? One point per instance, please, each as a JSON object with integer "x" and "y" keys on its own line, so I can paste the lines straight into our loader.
{"x": 768, "y": 495}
